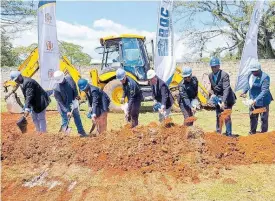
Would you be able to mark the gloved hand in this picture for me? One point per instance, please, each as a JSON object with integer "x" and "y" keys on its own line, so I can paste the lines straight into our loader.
{"x": 222, "y": 106}
{"x": 251, "y": 102}
{"x": 89, "y": 115}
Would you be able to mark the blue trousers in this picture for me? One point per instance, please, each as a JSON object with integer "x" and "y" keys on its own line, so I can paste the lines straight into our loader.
{"x": 77, "y": 121}
{"x": 227, "y": 121}
{"x": 254, "y": 120}
{"x": 39, "y": 120}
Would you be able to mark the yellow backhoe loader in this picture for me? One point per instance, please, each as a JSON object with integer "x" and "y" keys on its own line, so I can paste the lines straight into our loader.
{"x": 28, "y": 68}
{"x": 128, "y": 51}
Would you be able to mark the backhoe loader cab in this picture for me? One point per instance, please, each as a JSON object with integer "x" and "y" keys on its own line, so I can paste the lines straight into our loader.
{"x": 126, "y": 51}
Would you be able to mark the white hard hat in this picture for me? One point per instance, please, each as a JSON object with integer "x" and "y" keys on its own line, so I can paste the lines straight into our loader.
{"x": 254, "y": 65}
{"x": 59, "y": 76}
{"x": 150, "y": 74}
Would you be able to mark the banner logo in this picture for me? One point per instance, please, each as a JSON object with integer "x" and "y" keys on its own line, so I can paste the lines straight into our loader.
{"x": 49, "y": 45}
{"x": 48, "y": 18}
{"x": 50, "y": 73}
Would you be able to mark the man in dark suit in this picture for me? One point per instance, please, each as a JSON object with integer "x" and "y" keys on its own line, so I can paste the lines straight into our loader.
{"x": 188, "y": 92}
{"x": 220, "y": 85}
{"x": 36, "y": 100}
{"x": 66, "y": 93}
{"x": 98, "y": 102}
{"x": 132, "y": 92}
{"x": 161, "y": 94}
{"x": 260, "y": 96}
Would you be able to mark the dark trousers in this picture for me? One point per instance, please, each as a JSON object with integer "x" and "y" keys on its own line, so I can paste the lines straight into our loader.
{"x": 227, "y": 121}
{"x": 187, "y": 112}
{"x": 254, "y": 120}
{"x": 134, "y": 113}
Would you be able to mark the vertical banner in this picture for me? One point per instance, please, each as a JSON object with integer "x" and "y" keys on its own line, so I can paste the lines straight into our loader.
{"x": 47, "y": 43}
{"x": 250, "y": 53}
{"x": 165, "y": 64}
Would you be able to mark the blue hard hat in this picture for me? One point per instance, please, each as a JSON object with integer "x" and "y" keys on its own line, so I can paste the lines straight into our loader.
{"x": 215, "y": 62}
{"x": 187, "y": 71}
{"x": 120, "y": 74}
{"x": 14, "y": 75}
{"x": 82, "y": 84}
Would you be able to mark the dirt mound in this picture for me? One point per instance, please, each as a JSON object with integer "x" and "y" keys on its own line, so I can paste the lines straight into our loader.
{"x": 185, "y": 152}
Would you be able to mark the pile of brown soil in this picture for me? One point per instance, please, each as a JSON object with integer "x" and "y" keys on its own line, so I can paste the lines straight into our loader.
{"x": 185, "y": 152}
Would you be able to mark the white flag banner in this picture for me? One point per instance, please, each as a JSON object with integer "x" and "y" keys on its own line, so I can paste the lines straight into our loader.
{"x": 250, "y": 53}
{"x": 165, "y": 64}
{"x": 47, "y": 43}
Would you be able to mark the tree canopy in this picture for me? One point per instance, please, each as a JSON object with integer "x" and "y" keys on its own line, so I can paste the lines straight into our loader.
{"x": 17, "y": 15}
{"x": 227, "y": 18}
{"x": 75, "y": 54}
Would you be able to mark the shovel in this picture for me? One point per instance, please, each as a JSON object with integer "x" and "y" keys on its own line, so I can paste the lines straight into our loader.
{"x": 22, "y": 124}
{"x": 67, "y": 129}
{"x": 92, "y": 129}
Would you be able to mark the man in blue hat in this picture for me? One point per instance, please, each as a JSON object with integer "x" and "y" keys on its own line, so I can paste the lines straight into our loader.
{"x": 98, "y": 102}
{"x": 220, "y": 85}
{"x": 36, "y": 100}
{"x": 188, "y": 91}
{"x": 133, "y": 93}
{"x": 66, "y": 93}
{"x": 260, "y": 96}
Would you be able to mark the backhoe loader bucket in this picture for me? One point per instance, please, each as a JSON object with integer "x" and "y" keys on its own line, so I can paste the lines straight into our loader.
{"x": 22, "y": 124}
{"x": 14, "y": 104}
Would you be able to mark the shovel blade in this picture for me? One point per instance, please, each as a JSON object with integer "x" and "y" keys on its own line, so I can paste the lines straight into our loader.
{"x": 259, "y": 110}
{"x": 190, "y": 119}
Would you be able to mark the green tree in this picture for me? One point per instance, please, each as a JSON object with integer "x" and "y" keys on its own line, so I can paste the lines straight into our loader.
{"x": 22, "y": 52}
{"x": 75, "y": 54}
{"x": 17, "y": 15}
{"x": 8, "y": 58}
{"x": 225, "y": 18}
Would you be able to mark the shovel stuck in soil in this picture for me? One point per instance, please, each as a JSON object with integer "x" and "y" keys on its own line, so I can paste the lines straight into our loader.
{"x": 224, "y": 115}
{"x": 190, "y": 119}
{"x": 22, "y": 124}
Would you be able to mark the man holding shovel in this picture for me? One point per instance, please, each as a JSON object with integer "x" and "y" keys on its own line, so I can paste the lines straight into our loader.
{"x": 226, "y": 98}
{"x": 36, "y": 100}
{"x": 132, "y": 92}
{"x": 98, "y": 102}
{"x": 188, "y": 91}
{"x": 65, "y": 93}
{"x": 260, "y": 96}
{"x": 161, "y": 94}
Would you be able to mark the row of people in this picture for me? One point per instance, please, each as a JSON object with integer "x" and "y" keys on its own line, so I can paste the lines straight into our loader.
{"x": 66, "y": 94}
